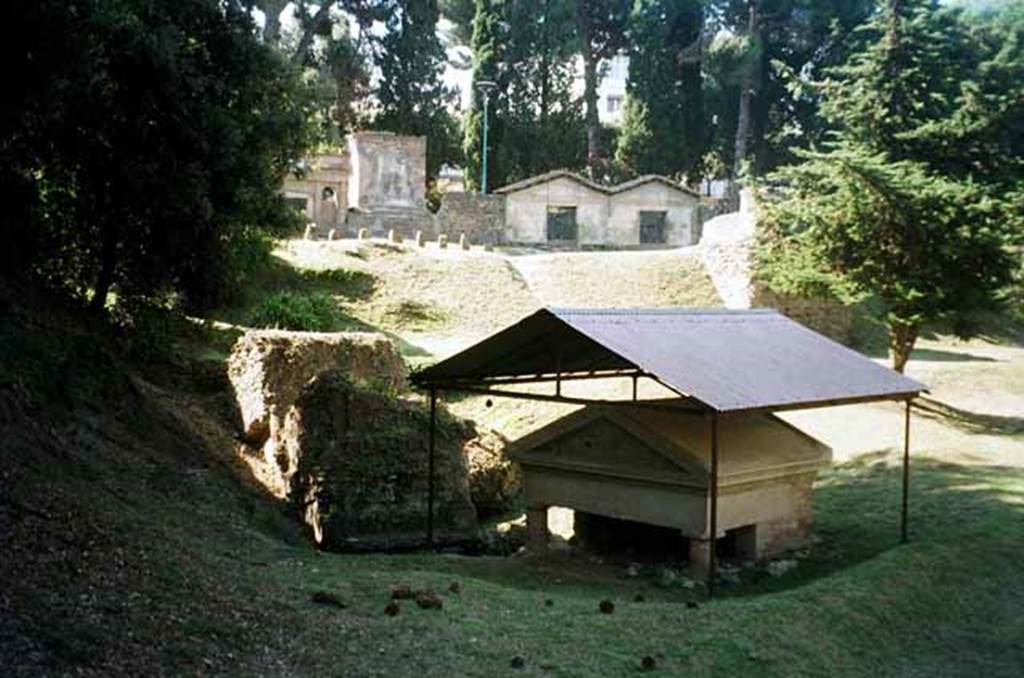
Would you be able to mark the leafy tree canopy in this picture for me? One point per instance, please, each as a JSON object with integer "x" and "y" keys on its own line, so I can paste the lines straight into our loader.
{"x": 891, "y": 208}
{"x": 412, "y": 96}
{"x": 145, "y": 145}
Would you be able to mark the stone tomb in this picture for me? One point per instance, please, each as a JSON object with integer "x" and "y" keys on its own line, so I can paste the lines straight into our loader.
{"x": 320, "y": 189}
{"x": 652, "y": 466}
{"x": 387, "y": 186}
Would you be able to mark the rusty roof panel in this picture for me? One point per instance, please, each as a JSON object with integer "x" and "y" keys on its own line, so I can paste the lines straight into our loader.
{"x": 728, "y": 360}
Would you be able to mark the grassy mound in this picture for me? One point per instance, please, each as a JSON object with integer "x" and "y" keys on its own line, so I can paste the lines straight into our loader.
{"x": 133, "y": 542}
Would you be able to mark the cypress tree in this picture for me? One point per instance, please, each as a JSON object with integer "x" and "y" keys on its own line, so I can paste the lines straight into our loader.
{"x": 485, "y": 45}
{"x": 663, "y": 121}
{"x": 879, "y": 209}
{"x": 412, "y": 95}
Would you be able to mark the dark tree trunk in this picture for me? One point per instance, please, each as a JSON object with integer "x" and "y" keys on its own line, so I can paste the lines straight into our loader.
{"x": 757, "y": 148}
{"x": 105, "y": 278}
{"x": 595, "y": 162}
{"x": 901, "y": 342}
{"x": 306, "y": 39}
{"x": 694, "y": 134}
{"x": 749, "y": 89}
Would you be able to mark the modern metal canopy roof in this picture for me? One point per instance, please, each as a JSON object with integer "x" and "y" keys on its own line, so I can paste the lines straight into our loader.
{"x": 729, "y": 361}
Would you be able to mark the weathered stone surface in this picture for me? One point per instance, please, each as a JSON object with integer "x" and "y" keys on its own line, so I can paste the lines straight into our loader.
{"x": 726, "y": 248}
{"x": 387, "y": 189}
{"x": 494, "y": 481}
{"x": 268, "y": 369}
{"x": 827, "y": 316}
{"x": 388, "y": 171}
{"x": 481, "y": 218}
{"x": 359, "y": 461}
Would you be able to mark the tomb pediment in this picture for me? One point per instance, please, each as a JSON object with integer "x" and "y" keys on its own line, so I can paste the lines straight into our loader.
{"x": 604, "y": 445}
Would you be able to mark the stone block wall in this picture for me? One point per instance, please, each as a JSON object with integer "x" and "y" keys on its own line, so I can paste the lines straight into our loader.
{"x": 726, "y": 248}
{"x": 826, "y": 316}
{"x": 361, "y": 479}
{"x": 480, "y": 217}
{"x": 380, "y": 222}
{"x": 387, "y": 171}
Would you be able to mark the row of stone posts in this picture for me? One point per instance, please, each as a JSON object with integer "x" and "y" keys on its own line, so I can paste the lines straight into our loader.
{"x": 393, "y": 237}
{"x": 397, "y": 238}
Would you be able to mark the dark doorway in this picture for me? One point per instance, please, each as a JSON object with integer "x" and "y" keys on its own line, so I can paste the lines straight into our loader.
{"x": 612, "y": 536}
{"x": 652, "y": 228}
{"x": 562, "y": 223}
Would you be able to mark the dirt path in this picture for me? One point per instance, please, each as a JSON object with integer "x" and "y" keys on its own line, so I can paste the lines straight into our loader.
{"x": 618, "y": 279}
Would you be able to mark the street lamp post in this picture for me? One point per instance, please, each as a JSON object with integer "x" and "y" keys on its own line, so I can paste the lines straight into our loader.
{"x": 485, "y": 87}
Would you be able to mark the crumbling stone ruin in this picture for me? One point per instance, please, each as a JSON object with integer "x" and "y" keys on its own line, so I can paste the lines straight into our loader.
{"x": 329, "y": 424}
{"x": 361, "y": 480}
{"x": 727, "y": 250}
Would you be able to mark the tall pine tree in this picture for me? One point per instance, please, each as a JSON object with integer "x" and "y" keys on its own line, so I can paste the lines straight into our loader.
{"x": 663, "y": 130}
{"x": 879, "y": 208}
{"x": 412, "y": 95}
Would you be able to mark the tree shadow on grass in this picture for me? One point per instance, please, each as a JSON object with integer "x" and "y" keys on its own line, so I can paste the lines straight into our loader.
{"x": 936, "y": 355}
{"x": 972, "y": 422}
{"x": 857, "y": 519}
{"x": 857, "y": 513}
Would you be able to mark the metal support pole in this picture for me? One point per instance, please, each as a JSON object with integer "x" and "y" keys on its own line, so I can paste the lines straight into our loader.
{"x": 558, "y": 375}
{"x": 430, "y": 467}
{"x": 483, "y": 171}
{"x": 904, "y": 509}
{"x": 635, "y": 380}
{"x": 713, "y": 508}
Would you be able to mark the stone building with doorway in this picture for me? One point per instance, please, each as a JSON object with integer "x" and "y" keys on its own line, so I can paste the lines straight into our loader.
{"x": 563, "y": 208}
{"x": 378, "y": 182}
{"x": 318, "y": 188}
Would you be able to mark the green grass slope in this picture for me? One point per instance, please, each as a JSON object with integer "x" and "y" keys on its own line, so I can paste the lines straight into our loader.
{"x": 133, "y": 543}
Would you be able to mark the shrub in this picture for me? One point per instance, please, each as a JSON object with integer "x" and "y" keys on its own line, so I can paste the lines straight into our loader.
{"x": 307, "y": 312}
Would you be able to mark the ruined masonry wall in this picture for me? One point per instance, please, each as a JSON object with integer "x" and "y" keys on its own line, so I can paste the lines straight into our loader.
{"x": 726, "y": 248}
{"x": 480, "y": 217}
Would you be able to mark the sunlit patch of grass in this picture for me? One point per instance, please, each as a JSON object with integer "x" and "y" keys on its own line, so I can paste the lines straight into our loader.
{"x": 306, "y": 312}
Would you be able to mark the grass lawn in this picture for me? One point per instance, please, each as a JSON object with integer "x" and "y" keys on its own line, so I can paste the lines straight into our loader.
{"x": 948, "y": 603}
{"x": 132, "y": 542}
{"x": 131, "y": 548}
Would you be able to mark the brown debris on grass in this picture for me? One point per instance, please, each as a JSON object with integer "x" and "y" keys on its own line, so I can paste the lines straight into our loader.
{"x": 327, "y": 598}
{"x": 402, "y": 592}
{"x": 428, "y": 600}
